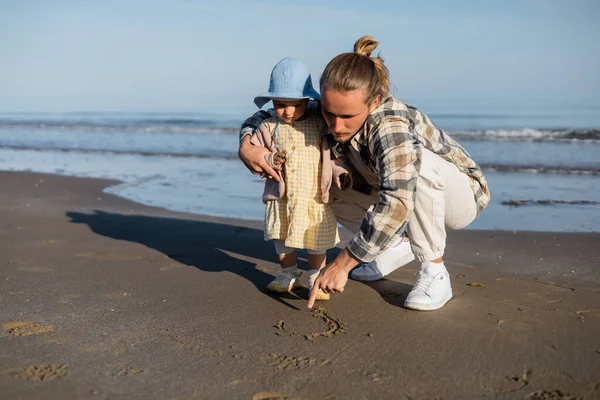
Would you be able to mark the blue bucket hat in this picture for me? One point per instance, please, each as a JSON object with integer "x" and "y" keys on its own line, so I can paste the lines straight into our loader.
{"x": 291, "y": 80}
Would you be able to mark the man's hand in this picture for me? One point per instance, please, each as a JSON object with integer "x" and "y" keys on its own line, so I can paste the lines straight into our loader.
{"x": 253, "y": 158}
{"x": 333, "y": 277}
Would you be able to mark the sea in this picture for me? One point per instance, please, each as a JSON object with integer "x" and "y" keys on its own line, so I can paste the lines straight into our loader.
{"x": 541, "y": 157}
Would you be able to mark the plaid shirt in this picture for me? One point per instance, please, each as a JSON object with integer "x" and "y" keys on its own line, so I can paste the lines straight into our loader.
{"x": 390, "y": 145}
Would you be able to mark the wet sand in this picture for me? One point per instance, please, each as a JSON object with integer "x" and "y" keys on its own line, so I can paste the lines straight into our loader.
{"x": 102, "y": 298}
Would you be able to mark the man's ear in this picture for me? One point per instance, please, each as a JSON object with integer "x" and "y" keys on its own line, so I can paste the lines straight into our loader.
{"x": 375, "y": 103}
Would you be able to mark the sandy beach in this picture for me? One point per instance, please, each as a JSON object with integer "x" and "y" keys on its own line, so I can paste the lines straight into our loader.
{"x": 103, "y": 298}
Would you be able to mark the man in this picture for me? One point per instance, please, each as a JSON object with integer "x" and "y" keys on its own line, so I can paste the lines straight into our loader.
{"x": 411, "y": 178}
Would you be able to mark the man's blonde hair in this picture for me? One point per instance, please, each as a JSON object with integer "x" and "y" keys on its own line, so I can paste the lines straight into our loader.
{"x": 358, "y": 70}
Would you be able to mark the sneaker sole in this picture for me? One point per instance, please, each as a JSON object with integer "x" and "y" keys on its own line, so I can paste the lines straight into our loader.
{"x": 367, "y": 278}
{"x": 428, "y": 307}
{"x": 370, "y": 278}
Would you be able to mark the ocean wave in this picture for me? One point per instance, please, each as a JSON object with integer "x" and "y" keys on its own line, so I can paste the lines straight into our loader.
{"x": 542, "y": 169}
{"x": 231, "y": 154}
{"x": 230, "y": 126}
{"x": 566, "y": 135}
{"x": 227, "y": 155}
{"x": 549, "y": 202}
{"x": 152, "y": 126}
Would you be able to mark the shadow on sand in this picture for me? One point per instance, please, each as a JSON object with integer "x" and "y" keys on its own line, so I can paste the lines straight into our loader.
{"x": 205, "y": 245}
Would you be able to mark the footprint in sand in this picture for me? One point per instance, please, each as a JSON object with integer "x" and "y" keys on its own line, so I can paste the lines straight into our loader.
{"x": 26, "y": 328}
{"x": 476, "y": 284}
{"x": 335, "y": 326}
{"x": 519, "y": 383}
{"x": 236, "y": 382}
{"x": 170, "y": 266}
{"x": 117, "y": 296}
{"x": 67, "y": 298}
{"x": 550, "y": 395}
{"x": 282, "y": 363}
{"x": 269, "y": 396}
{"x": 377, "y": 377}
{"x": 109, "y": 256}
{"x": 35, "y": 268}
{"x": 46, "y": 372}
{"x": 24, "y": 266}
{"x": 523, "y": 378}
{"x": 130, "y": 370}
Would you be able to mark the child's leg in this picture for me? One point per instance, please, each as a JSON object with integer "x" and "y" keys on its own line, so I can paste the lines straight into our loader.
{"x": 287, "y": 260}
{"x": 316, "y": 262}
{"x": 287, "y": 280}
{"x": 286, "y": 255}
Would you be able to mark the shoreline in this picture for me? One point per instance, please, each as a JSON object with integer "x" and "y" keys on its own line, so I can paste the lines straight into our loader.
{"x": 104, "y": 298}
{"x": 508, "y": 215}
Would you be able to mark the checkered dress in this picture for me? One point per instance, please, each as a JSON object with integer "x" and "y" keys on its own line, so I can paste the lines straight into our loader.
{"x": 301, "y": 218}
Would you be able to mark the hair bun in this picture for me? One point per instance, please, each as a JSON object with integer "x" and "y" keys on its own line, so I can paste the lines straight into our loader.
{"x": 365, "y": 46}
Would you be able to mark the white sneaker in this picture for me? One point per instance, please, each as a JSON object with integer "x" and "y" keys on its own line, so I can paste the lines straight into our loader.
{"x": 432, "y": 289}
{"x": 321, "y": 295}
{"x": 285, "y": 283}
{"x": 389, "y": 261}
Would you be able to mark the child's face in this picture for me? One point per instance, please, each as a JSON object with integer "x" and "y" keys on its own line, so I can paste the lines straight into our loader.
{"x": 289, "y": 110}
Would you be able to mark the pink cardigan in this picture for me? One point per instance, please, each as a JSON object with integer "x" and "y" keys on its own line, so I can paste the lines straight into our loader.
{"x": 332, "y": 170}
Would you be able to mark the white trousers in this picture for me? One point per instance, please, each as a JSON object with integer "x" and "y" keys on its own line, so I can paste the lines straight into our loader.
{"x": 444, "y": 200}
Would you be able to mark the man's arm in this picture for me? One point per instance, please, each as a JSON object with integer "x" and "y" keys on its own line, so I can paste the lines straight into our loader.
{"x": 251, "y": 124}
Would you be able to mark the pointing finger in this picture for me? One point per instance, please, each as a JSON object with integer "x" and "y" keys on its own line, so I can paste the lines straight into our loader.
{"x": 313, "y": 294}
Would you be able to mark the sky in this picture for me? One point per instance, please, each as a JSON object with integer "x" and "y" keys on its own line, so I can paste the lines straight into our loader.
{"x": 176, "y": 55}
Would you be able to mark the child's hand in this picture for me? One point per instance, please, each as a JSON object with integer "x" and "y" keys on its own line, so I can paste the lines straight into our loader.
{"x": 279, "y": 158}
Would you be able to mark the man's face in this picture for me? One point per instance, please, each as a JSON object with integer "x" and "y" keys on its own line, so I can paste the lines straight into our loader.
{"x": 345, "y": 112}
